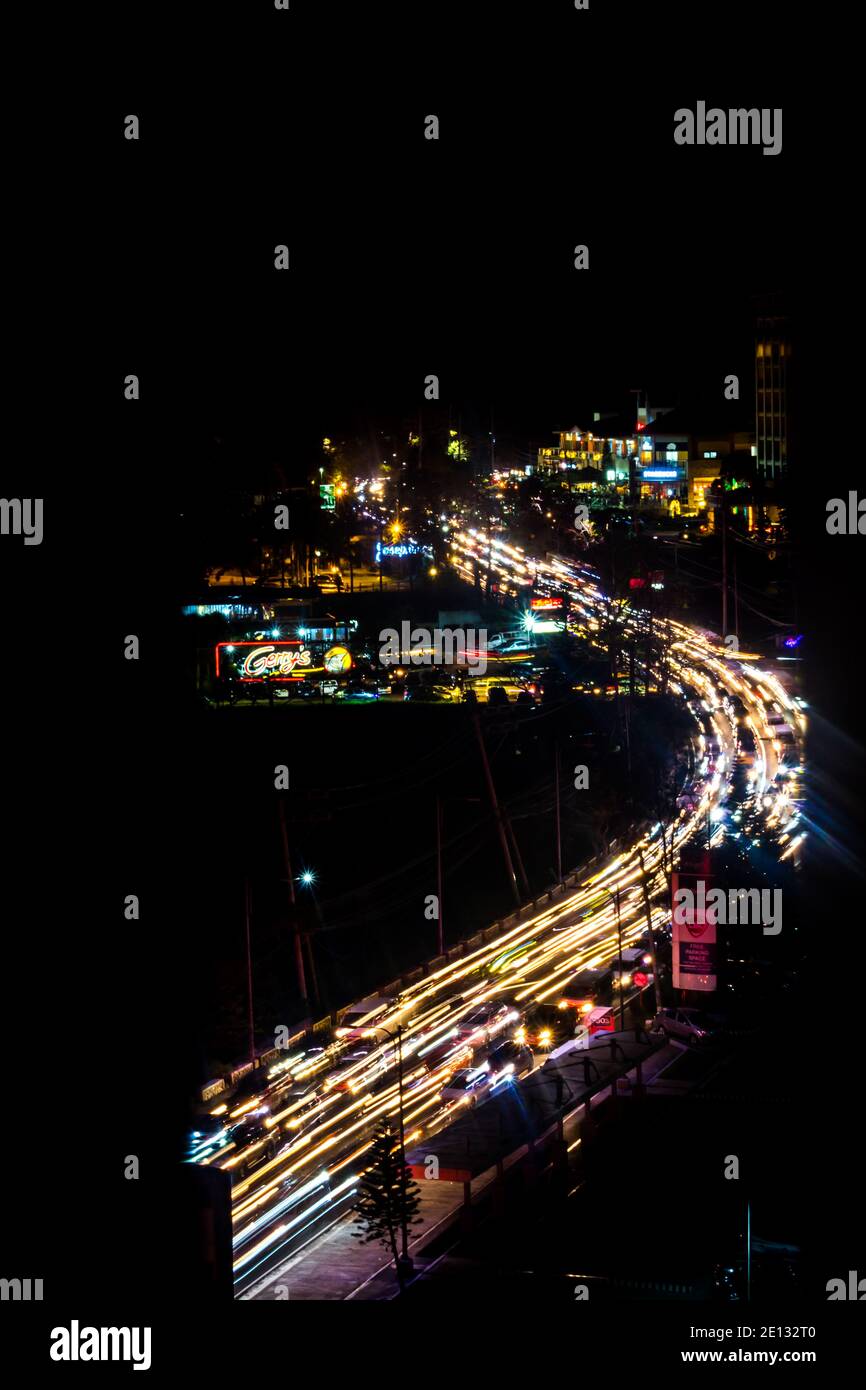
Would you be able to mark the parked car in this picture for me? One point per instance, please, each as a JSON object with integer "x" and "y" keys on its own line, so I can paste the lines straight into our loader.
{"x": 689, "y": 1025}
{"x": 430, "y": 695}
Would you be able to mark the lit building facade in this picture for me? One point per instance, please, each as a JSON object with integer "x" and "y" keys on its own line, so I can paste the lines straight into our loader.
{"x": 772, "y": 380}
{"x": 580, "y": 449}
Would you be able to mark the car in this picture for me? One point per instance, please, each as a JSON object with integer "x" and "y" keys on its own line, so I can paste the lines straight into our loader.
{"x": 586, "y": 989}
{"x": 357, "y": 691}
{"x": 507, "y": 960}
{"x": 360, "y": 1019}
{"x": 778, "y": 722}
{"x": 250, "y": 1094}
{"x": 329, "y": 686}
{"x": 263, "y": 1141}
{"x": 208, "y": 1134}
{"x": 468, "y": 1086}
{"x": 633, "y": 961}
{"x": 509, "y": 1060}
{"x": 544, "y": 1026}
{"x": 453, "y": 1053}
{"x": 429, "y": 695}
{"x": 350, "y": 1074}
{"x": 688, "y": 1025}
{"x": 301, "y": 1100}
{"x": 485, "y": 1022}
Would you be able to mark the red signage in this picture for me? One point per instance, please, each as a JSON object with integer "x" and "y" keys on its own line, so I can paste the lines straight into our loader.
{"x": 418, "y": 1170}
{"x": 545, "y": 603}
{"x": 641, "y": 979}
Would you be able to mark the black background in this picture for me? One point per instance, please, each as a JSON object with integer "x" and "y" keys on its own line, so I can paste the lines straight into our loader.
{"x": 407, "y": 257}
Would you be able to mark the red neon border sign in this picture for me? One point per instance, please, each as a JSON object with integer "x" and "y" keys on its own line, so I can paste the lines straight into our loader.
{"x": 263, "y": 645}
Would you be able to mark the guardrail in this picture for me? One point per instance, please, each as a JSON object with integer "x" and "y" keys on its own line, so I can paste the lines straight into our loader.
{"x": 395, "y": 987}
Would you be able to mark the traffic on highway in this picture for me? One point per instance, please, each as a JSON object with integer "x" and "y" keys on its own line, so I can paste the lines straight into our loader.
{"x": 296, "y": 1146}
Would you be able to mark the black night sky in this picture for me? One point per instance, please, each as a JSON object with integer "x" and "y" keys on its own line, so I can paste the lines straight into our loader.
{"x": 408, "y": 258}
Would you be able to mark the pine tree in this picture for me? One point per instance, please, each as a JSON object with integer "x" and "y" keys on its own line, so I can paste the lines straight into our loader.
{"x": 390, "y": 1196}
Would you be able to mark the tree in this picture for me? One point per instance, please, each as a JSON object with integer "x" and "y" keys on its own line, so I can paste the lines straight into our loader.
{"x": 390, "y": 1197}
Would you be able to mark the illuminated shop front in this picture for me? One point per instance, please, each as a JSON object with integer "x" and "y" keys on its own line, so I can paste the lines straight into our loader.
{"x": 262, "y": 661}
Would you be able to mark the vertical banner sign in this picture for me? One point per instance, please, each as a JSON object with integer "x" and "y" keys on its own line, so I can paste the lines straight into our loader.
{"x": 695, "y": 946}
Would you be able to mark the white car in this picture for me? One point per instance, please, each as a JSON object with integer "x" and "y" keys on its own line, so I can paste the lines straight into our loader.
{"x": 485, "y": 1022}
{"x": 467, "y": 1087}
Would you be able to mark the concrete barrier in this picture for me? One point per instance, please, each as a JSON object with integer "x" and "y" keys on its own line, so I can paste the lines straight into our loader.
{"x": 235, "y": 1076}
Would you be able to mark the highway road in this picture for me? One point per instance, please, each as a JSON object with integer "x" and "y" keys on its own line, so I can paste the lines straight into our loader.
{"x": 310, "y": 1181}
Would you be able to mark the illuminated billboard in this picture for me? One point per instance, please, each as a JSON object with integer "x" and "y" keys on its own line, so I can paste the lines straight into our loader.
{"x": 260, "y": 661}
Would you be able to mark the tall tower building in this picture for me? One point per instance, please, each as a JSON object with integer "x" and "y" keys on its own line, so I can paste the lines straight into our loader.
{"x": 772, "y": 386}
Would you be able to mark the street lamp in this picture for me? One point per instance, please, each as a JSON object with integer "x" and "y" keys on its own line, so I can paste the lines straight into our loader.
{"x": 308, "y": 878}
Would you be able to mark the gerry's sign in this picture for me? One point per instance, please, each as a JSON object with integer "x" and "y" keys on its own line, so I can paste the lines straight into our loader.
{"x": 255, "y": 661}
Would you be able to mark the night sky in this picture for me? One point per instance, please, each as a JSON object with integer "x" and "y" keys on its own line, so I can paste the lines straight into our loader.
{"x": 408, "y": 257}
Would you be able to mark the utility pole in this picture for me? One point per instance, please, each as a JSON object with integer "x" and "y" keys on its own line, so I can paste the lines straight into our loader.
{"x": 649, "y": 923}
{"x": 440, "y": 934}
{"x": 252, "y": 1024}
{"x": 556, "y": 805}
{"x": 500, "y": 823}
{"x": 524, "y": 881}
{"x": 724, "y": 563}
{"x": 293, "y": 910}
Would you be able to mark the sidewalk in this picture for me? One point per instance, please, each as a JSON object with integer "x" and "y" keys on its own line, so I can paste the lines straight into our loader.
{"x": 337, "y": 1266}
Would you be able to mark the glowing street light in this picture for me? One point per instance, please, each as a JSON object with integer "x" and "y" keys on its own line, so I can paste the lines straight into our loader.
{"x": 308, "y": 878}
